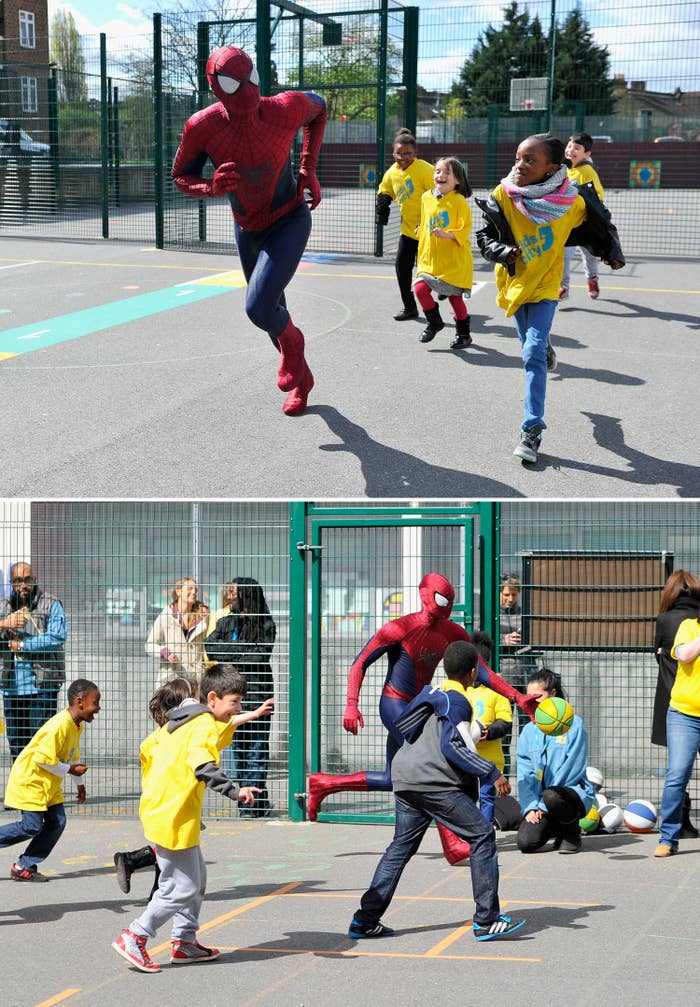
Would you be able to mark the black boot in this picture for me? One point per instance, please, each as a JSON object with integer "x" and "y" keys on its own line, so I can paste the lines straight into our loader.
{"x": 688, "y": 830}
{"x": 435, "y": 323}
{"x": 462, "y": 338}
{"x": 127, "y": 863}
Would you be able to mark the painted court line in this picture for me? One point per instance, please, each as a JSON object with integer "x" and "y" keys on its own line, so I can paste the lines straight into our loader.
{"x": 353, "y": 953}
{"x": 59, "y": 998}
{"x": 62, "y": 328}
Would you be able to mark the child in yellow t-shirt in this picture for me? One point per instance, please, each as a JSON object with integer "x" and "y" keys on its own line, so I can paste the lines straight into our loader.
{"x": 178, "y": 765}
{"x": 406, "y": 181}
{"x": 445, "y": 264}
{"x": 493, "y": 713}
{"x": 529, "y": 217}
{"x": 581, "y": 170}
{"x": 35, "y": 783}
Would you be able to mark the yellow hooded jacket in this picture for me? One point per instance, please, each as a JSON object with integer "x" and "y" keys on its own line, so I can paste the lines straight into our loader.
{"x": 31, "y": 788}
{"x": 172, "y": 796}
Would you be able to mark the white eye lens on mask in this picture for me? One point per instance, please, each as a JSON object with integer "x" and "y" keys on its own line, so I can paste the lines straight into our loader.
{"x": 441, "y": 600}
{"x": 254, "y": 77}
{"x": 229, "y": 85}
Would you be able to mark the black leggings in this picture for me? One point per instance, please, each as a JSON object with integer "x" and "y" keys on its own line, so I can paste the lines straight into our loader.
{"x": 405, "y": 261}
{"x": 560, "y": 821}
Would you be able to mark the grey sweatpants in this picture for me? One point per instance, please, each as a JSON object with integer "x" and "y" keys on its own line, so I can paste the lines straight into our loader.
{"x": 181, "y": 887}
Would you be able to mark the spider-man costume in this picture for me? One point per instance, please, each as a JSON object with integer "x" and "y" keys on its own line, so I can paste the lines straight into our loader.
{"x": 414, "y": 646}
{"x": 248, "y": 139}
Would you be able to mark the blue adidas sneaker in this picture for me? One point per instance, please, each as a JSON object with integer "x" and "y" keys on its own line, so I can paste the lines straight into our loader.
{"x": 360, "y": 931}
{"x": 504, "y": 926}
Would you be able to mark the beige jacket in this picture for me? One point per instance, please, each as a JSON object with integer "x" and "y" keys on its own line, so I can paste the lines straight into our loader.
{"x": 168, "y": 637}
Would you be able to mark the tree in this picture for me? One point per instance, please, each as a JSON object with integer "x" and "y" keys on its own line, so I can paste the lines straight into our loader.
{"x": 346, "y": 75}
{"x": 67, "y": 55}
{"x": 582, "y": 69}
{"x": 520, "y": 49}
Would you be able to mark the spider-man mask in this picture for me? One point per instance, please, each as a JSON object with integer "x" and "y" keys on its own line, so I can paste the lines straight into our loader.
{"x": 437, "y": 596}
{"x": 234, "y": 80}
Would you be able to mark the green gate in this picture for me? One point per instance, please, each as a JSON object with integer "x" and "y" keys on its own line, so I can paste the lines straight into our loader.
{"x": 366, "y": 565}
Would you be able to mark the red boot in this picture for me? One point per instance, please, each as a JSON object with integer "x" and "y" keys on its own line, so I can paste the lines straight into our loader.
{"x": 295, "y": 403}
{"x": 321, "y": 785}
{"x": 292, "y": 364}
{"x": 454, "y": 849}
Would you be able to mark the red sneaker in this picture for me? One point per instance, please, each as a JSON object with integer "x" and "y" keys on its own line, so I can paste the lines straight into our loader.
{"x": 593, "y": 288}
{"x": 133, "y": 947}
{"x": 191, "y": 953}
{"x": 18, "y": 873}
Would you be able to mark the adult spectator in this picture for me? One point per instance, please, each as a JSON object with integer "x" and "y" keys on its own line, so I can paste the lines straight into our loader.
{"x": 177, "y": 635}
{"x": 33, "y": 632}
{"x": 680, "y": 599}
{"x": 243, "y": 634}
{"x": 515, "y": 661}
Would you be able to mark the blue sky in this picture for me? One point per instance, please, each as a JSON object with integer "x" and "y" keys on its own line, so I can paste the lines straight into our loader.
{"x": 650, "y": 40}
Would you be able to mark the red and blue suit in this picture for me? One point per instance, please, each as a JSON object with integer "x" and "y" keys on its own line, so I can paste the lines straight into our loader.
{"x": 248, "y": 139}
{"x": 414, "y": 646}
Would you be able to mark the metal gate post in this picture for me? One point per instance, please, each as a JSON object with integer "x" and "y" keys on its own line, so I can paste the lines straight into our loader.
{"x": 490, "y": 551}
{"x": 158, "y": 130}
{"x": 297, "y": 659}
{"x": 410, "y": 66}
{"x": 104, "y": 134}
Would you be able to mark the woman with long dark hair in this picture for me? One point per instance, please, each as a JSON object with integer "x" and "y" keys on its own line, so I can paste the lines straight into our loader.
{"x": 244, "y": 635}
{"x": 680, "y": 599}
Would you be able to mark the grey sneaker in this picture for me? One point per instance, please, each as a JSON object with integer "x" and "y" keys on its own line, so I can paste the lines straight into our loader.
{"x": 551, "y": 358}
{"x": 529, "y": 443}
{"x": 570, "y": 846}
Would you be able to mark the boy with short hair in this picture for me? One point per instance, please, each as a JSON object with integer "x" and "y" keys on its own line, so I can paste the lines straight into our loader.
{"x": 434, "y": 776}
{"x": 182, "y": 762}
{"x": 35, "y": 783}
{"x": 581, "y": 170}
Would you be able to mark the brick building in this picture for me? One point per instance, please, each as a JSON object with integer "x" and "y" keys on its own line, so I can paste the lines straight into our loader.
{"x": 24, "y": 64}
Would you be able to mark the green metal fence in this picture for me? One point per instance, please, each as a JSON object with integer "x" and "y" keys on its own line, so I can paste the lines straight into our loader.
{"x": 95, "y": 157}
{"x": 590, "y": 576}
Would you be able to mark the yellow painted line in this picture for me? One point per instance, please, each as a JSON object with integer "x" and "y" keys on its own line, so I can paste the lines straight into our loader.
{"x": 114, "y": 265}
{"x": 379, "y": 954}
{"x": 236, "y": 912}
{"x": 231, "y": 278}
{"x": 443, "y": 898}
{"x": 446, "y": 942}
{"x": 59, "y": 998}
{"x": 8, "y": 356}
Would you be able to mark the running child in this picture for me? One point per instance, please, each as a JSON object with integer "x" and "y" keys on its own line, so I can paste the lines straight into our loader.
{"x": 182, "y": 762}
{"x": 581, "y": 170}
{"x": 173, "y": 695}
{"x": 445, "y": 264}
{"x": 528, "y": 218}
{"x": 35, "y": 783}
{"x": 405, "y": 181}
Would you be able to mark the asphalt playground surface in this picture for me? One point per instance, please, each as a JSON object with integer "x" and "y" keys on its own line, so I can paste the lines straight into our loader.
{"x": 609, "y": 925}
{"x": 132, "y": 372}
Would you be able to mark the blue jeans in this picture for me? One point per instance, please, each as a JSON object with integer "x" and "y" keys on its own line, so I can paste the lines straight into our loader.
{"x": 533, "y": 323}
{"x": 487, "y": 799}
{"x": 42, "y": 828}
{"x": 683, "y": 742}
{"x": 24, "y": 715}
{"x": 247, "y": 760}
{"x": 269, "y": 260}
{"x": 414, "y": 812}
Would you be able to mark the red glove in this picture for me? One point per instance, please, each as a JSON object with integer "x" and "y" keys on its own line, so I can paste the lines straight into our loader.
{"x": 310, "y": 184}
{"x": 528, "y": 704}
{"x": 352, "y": 718}
{"x": 225, "y": 179}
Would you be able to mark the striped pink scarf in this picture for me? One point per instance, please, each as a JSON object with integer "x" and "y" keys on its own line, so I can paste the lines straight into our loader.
{"x": 544, "y": 202}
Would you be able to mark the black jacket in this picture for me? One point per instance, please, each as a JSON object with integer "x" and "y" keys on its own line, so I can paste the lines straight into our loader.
{"x": 667, "y": 623}
{"x": 597, "y": 233}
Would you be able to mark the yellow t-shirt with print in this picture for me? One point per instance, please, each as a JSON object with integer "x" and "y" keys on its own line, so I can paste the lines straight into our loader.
{"x": 488, "y": 706}
{"x": 538, "y": 270}
{"x": 685, "y": 694}
{"x": 31, "y": 788}
{"x": 407, "y": 187}
{"x": 444, "y": 258}
{"x": 170, "y": 808}
{"x": 585, "y": 172}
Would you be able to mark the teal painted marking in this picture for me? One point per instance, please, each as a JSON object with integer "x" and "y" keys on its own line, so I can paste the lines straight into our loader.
{"x": 27, "y": 338}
